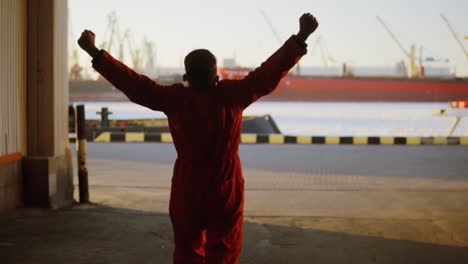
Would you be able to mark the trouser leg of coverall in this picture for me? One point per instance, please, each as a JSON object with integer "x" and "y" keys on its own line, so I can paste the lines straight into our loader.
{"x": 224, "y": 225}
{"x": 211, "y": 246}
{"x": 189, "y": 243}
{"x": 221, "y": 242}
{"x": 224, "y": 241}
{"x": 188, "y": 226}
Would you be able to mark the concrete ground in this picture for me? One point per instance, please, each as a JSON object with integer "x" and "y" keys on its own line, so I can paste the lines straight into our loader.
{"x": 304, "y": 204}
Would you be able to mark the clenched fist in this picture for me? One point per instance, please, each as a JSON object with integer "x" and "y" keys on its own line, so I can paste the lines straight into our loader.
{"x": 308, "y": 24}
{"x": 87, "y": 43}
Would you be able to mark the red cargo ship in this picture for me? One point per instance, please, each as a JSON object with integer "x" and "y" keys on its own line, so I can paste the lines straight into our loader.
{"x": 360, "y": 89}
{"x": 309, "y": 89}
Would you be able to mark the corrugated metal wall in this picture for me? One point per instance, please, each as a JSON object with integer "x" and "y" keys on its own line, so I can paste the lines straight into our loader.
{"x": 12, "y": 76}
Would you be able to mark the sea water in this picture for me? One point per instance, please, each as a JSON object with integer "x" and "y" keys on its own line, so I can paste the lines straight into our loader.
{"x": 330, "y": 119}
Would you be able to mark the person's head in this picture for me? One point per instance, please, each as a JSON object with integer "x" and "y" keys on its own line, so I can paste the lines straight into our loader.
{"x": 201, "y": 70}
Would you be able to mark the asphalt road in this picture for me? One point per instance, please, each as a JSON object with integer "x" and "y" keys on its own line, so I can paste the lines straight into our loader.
{"x": 444, "y": 163}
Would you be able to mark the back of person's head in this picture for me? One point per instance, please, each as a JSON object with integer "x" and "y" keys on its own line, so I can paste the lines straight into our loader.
{"x": 201, "y": 70}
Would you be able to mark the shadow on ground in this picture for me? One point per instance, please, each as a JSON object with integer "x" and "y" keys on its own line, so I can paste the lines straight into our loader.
{"x": 99, "y": 234}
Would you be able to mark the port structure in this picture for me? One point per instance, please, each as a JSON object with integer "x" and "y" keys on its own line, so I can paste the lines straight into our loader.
{"x": 276, "y": 35}
{"x": 118, "y": 42}
{"x": 455, "y": 35}
{"x": 413, "y": 70}
{"x": 319, "y": 43}
{"x": 326, "y": 57}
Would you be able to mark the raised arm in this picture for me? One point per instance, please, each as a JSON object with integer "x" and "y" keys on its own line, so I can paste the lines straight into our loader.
{"x": 138, "y": 88}
{"x": 266, "y": 78}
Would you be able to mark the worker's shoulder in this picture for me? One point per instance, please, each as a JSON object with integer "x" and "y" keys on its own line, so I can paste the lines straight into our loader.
{"x": 178, "y": 87}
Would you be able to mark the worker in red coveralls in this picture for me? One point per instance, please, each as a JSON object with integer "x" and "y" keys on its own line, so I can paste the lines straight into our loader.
{"x": 205, "y": 120}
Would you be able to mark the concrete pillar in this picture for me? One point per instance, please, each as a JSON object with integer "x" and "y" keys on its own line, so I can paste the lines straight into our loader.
{"x": 47, "y": 168}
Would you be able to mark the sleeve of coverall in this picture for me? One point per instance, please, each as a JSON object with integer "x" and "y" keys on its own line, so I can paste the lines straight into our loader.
{"x": 138, "y": 88}
{"x": 264, "y": 79}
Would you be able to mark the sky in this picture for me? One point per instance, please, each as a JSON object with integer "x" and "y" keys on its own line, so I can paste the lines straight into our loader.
{"x": 349, "y": 29}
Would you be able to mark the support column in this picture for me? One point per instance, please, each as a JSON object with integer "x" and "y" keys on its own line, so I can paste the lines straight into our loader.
{"x": 48, "y": 173}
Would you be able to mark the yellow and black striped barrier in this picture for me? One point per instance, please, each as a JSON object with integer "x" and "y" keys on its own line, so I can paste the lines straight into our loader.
{"x": 284, "y": 139}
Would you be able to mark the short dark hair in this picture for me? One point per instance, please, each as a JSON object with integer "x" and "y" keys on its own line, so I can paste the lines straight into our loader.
{"x": 199, "y": 64}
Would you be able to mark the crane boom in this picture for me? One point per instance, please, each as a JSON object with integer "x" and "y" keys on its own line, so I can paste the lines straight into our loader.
{"x": 112, "y": 31}
{"x": 150, "y": 52}
{"x": 272, "y": 28}
{"x": 393, "y": 36}
{"x": 319, "y": 44}
{"x": 277, "y": 36}
{"x": 135, "y": 53}
{"x": 455, "y": 35}
{"x": 413, "y": 70}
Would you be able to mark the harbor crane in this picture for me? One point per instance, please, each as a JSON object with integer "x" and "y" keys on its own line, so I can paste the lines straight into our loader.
{"x": 270, "y": 25}
{"x": 413, "y": 70}
{"x": 112, "y": 31}
{"x": 142, "y": 58}
{"x": 276, "y": 35}
{"x": 455, "y": 35}
{"x": 135, "y": 53}
{"x": 76, "y": 70}
{"x": 319, "y": 43}
{"x": 327, "y": 59}
{"x": 150, "y": 52}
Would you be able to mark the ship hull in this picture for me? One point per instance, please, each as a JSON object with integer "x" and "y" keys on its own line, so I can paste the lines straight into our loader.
{"x": 311, "y": 89}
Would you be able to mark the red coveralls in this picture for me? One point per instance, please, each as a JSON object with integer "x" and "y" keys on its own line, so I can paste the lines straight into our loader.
{"x": 207, "y": 193}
